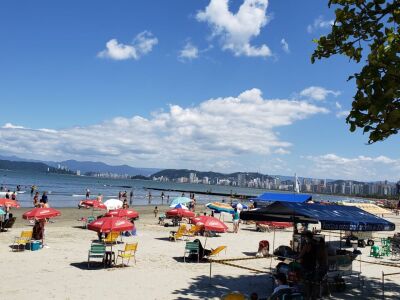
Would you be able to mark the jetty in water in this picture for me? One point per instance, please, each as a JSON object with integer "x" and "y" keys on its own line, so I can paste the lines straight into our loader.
{"x": 232, "y": 195}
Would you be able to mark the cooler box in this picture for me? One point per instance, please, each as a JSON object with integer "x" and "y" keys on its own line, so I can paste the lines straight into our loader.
{"x": 34, "y": 245}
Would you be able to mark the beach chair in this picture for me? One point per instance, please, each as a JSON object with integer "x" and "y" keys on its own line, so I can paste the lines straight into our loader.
{"x": 192, "y": 248}
{"x": 111, "y": 238}
{"x": 128, "y": 253}
{"x": 216, "y": 251}
{"x": 194, "y": 230}
{"x": 180, "y": 234}
{"x": 23, "y": 239}
{"x": 97, "y": 251}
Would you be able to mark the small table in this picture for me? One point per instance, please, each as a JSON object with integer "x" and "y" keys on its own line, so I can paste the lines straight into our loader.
{"x": 109, "y": 258}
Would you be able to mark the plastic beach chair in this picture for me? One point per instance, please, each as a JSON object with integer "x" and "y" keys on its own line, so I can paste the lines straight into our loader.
{"x": 24, "y": 239}
{"x": 111, "y": 238}
{"x": 88, "y": 220}
{"x": 192, "y": 248}
{"x": 128, "y": 253}
{"x": 216, "y": 251}
{"x": 194, "y": 230}
{"x": 180, "y": 234}
{"x": 97, "y": 251}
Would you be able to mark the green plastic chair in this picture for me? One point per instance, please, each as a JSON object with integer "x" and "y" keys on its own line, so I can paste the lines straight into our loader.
{"x": 375, "y": 251}
{"x": 386, "y": 246}
{"x": 192, "y": 248}
{"x": 97, "y": 251}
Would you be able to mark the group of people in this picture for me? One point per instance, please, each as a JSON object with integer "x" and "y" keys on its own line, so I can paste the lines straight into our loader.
{"x": 42, "y": 202}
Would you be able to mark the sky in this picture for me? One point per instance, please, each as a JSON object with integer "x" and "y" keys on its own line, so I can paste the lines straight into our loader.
{"x": 209, "y": 85}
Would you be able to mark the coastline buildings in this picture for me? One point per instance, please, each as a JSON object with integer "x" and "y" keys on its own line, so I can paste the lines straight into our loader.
{"x": 306, "y": 185}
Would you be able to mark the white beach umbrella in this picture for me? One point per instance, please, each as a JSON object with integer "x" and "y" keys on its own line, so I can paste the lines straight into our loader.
{"x": 113, "y": 204}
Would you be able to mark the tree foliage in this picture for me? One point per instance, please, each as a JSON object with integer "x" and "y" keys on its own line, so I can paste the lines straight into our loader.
{"x": 368, "y": 31}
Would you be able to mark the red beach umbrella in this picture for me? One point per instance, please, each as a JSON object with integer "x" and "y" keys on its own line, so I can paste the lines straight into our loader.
{"x": 109, "y": 224}
{"x": 210, "y": 223}
{"x": 8, "y": 202}
{"x": 94, "y": 204}
{"x": 41, "y": 213}
{"x": 179, "y": 212}
{"x": 124, "y": 213}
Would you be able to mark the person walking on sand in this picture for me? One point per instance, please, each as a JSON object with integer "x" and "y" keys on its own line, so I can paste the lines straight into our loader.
{"x": 155, "y": 212}
{"x": 235, "y": 218}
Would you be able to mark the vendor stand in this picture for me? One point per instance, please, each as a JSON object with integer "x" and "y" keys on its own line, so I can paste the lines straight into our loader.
{"x": 331, "y": 217}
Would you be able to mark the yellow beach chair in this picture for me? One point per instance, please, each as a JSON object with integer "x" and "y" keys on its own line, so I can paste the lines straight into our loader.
{"x": 111, "y": 238}
{"x": 180, "y": 234}
{"x": 24, "y": 239}
{"x": 194, "y": 230}
{"x": 128, "y": 253}
{"x": 216, "y": 251}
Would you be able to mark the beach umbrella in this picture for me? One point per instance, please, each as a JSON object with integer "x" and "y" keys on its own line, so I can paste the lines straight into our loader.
{"x": 180, "y": 200}
{"x": 8, "y": 202}
{"x": 93, "y": 203}
{"x": 220, "y": 207}
{"x": 210, "y": 223}
{"x": 179, "y": 213}
{"x": 124, "y": 213}
{"x": 41, "y": 213}
{"x": 180, "y": 205}
{"x": 111, "y": 224}
{"x": 112, "y": 204}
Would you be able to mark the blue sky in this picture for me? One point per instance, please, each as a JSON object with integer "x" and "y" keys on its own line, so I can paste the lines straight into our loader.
{"x": 145, "y": 100}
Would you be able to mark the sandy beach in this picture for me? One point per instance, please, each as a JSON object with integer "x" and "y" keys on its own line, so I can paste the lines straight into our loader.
{"x": 59, "y": 271}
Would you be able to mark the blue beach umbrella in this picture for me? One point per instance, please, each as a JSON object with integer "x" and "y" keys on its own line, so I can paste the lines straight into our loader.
{"x": 180, "y": 205}
{"x": 180, "y": 200}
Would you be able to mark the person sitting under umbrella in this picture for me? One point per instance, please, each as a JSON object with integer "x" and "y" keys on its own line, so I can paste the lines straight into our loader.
{"x": 38, "y": 230}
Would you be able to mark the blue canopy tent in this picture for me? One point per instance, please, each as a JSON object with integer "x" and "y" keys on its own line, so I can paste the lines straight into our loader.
{"x": 331, "y": 217}
{"x": 284, "y": 197}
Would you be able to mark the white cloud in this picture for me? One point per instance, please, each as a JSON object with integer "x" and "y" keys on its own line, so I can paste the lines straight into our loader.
{"x": 216, "y": 131}
{"x": 189, "y": 52}
{"x": 342, "y": 113}
{"x": 281, "y": 151}
{"x": 318, "y": 93}
{"x": 318, "y": 24}
{"x": 12, "y": 126}
{"x": 236, "y": 30}
{"x": 358, "y": 168}
{"x": 338, "y": 105}
{"x": 285, "y": 46}
{"x": 141, "y": 45}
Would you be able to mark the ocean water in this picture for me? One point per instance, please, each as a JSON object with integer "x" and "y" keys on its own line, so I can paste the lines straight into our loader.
{"x": 67, "y": 190}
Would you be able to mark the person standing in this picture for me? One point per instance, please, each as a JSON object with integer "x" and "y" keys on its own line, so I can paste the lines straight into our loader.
{"x": 44, "y": 200}
{"x": 130, "y": 197}
{"x": 155, "y": 212}
{"x": 308, "y": 261}
{"x": 87, "y": 193}
{"x": 235, "y": 218}
{"x": 36, "y": 200}
{"x": 149, "y": 197}
{"x": 162, "y": 198}
{"x": 119, "y": 195}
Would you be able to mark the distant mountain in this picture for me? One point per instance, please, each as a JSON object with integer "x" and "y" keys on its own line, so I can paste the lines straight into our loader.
{"x": 90, "y": 166}
{"x": 29, "y": 166}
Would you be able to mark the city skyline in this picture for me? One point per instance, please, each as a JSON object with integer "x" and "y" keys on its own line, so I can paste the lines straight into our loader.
{"x": 211, "y": 85}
